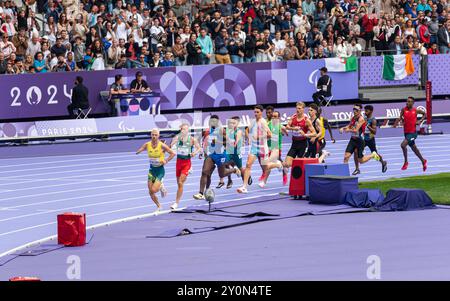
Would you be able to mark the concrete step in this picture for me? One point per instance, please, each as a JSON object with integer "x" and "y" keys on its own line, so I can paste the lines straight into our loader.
{"x": 397, "y": 93}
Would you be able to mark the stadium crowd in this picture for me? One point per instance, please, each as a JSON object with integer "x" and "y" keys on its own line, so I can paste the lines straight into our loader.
{"x": 115, "y": 34}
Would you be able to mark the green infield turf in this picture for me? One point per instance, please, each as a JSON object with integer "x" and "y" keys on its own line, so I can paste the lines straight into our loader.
{"x": 437, "y": 186}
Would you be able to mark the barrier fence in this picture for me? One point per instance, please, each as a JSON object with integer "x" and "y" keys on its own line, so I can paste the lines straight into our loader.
{"x": 208, "y": 86}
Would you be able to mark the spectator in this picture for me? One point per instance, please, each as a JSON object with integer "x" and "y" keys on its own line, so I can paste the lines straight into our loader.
{"x": 221, "y": 43}
{"x": 7, "y": 47}
{"x": 236, "y": 49}
{"x": 301, "y": 22}
{"x": 279, "y": 45}
{"x": 291, "y": 51}
{"x": 20, "y": 41}
{"x": 443, "y": 36}
{"x": 58, "y": 49}
{"x": 396, "y": 46}
{"x": 40, "y": 64}
{"x": 115, "y": 34}
{"x": 193, "y": 51}
{"x": 156, "y": 61}
{"x": 3, "y": 63}
{"x": 61, "y": 66}
{"x": 206, "y": 45}
{"x": 179, "y": 52}
{"x": 433, "y": 49}
{"x": 167, "y": 60}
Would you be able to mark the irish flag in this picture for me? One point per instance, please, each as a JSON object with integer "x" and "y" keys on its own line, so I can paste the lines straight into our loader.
{"x": 397, "y": 67}
{"x": 345, "y": 64}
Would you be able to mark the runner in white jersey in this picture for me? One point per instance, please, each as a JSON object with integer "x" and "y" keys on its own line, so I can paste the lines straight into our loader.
{"x": 259, "y": 132}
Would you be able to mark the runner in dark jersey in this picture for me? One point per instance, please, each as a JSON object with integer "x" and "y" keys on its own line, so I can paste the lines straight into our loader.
{"x": 369, "y": 138}
{"x": 409, "y": 117}
{"x": 316, "y": 144}
{"x": 356, "y": 144}
{"x": 215, "y": 155}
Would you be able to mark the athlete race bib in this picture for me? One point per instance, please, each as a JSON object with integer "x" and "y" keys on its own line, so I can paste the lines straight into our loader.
{"x": 156, "y": 162}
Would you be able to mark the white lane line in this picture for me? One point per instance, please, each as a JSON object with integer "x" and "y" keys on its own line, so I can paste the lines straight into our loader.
{"x": 66, "y": 157}
{"x": 69, "y": 166}
{"x": 110, "y": 202}
{"x": 91, "y": 157}
{"x": 107, "y": 223}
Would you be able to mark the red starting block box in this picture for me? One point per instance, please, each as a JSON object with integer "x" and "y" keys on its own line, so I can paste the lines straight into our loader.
{"x": 297, "y": 182}
{"x": 24, "y": 279}
{"x": 72, "y": 229}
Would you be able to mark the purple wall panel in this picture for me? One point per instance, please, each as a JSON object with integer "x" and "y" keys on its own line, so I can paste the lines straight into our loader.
{"x": 439, "y": 73}
{"x": 371, "y": 73}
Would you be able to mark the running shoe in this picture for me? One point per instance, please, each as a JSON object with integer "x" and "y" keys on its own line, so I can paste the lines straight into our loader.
{"x": 237, "y": 171}
{"x": 280, "y": 168}
{"x": 163, "y": 190}
{"x": 376, "y": 156}
{"x": 356, "y": 172}
{"x": 174, "y": 206}
{"x": 261, "y": 184}
{"x": 220, "y": 185}
{"x": 157, "y": 211}
{"x": 261, "y": 178}
{"x": 250, "y": 180}
{"x": 229, "y": 184}
{"x": 383, "y": 166}
{"x": 285, "y": 180}
{"x": 326, "y": 154}
{"x": 405, "y": 166}
{"x": 242, "y": 190}
{"x": 199, "y": 196}
{"x": 424, "y": 164}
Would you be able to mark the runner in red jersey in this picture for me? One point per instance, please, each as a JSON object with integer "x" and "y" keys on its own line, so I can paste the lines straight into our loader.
{"x": 409, "y": 117}
{"x": 356, "y": 127}
{"x": 302, "y": 129}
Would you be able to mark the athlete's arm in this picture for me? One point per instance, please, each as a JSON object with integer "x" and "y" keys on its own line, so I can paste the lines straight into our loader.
{"x": 328, "y": 126}
{"x": 205, "y": 141}
{"x": 373, "y": 128}
{"x": 424, "y": 115}
{"x": 284, "y": 131}
{"x": 247, "y": 136}
{"x": 142, "y": 148}
{"x": 400, "y": 118}
{"x": 174, "y": 141}
{"x": 238, "y": 138}
{"x": 312, "y": 131}
{"x": 197, "y": 146}
{"x": 167, "y": 149}
{"x": 266, "y": 129}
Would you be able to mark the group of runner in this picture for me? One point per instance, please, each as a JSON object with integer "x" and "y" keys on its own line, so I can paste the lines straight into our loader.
{"x": 222, "y": 146}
